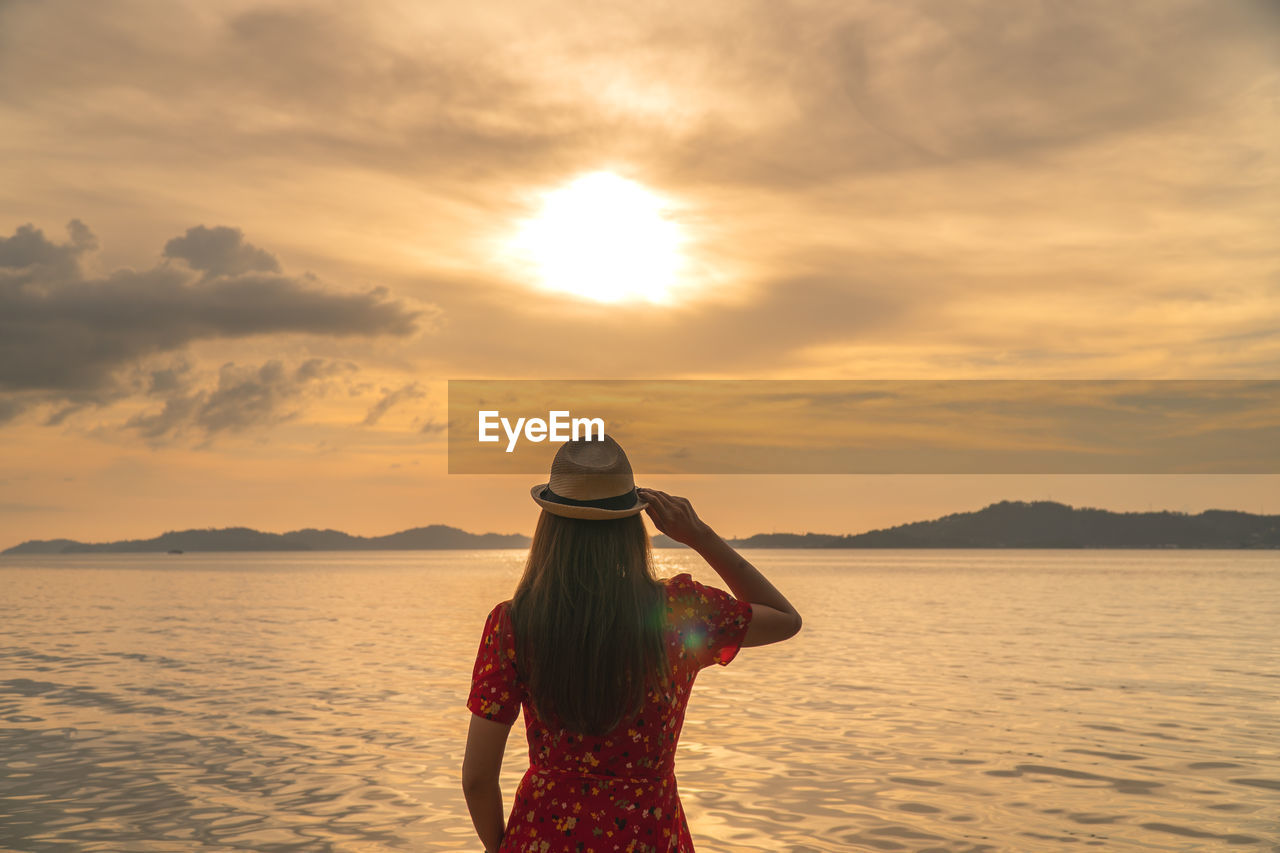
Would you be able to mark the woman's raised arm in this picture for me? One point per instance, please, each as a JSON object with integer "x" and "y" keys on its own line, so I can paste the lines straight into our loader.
{"x": 773, "y": 618}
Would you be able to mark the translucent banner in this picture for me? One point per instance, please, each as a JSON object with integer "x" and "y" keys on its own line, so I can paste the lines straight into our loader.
{"x": 874, "y": 426}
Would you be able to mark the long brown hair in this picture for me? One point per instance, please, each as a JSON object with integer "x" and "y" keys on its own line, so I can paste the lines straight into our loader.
{"x": 588, "y": 618}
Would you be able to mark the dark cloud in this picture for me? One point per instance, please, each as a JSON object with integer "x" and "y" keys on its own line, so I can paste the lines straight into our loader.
{"x": 9, "y": 409}
{"x": 318, "y": 368}
{"x": 66, "y": 334}
{"x": 176, "y": 414}
{"x": 389, "y": 399}
{"x": 27, "y": 257}
{"x": 247, "y": 397}
{"x": 61, "y": 414}
{"x": 219, "y": 251}
{"x": 432, "y": 427}
{"x": 81, "y": 237}
{"x": 168, "y": 380}
{"x": 244, "y": 397}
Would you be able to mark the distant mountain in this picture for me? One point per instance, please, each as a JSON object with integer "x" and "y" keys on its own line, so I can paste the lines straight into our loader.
{"x": 1045, "y": 524}
{"x": 765, "y": 540}
{"x": 435, "y": 536}
{"x": 1008, "y": 524}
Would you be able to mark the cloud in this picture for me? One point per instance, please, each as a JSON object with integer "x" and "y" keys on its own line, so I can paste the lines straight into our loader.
{"x": 68, "y": 335}
{"x": 850, "y": 89}
{"x": 168, "y": 380}
{"x": 767, "y": 332}
{"x": 247, "y": 397}
{"x": 389, "y": 399}
{"x": 63, "y": 413}
{"x": 433, "y": 427}
{"x": 1045, "y": 149}
{"x": 9, "y": 409}
{"x": 741, "y": 92}
{"x": 176, "y": 414}
{"x": 244, "y": 398}
{"x": 28, "y": 257}
{"x": 290, "y": 83}
{"x": 219, "y": 251}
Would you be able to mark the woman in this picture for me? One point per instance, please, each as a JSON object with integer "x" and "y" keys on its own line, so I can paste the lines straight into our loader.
{"x": 601, "y": 656}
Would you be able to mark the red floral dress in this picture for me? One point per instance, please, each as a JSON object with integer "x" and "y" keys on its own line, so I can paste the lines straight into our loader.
{"x": 613, "y": 793}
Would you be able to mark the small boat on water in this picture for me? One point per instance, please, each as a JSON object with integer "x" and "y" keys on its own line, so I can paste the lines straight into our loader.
{"x": 175, "y": 550}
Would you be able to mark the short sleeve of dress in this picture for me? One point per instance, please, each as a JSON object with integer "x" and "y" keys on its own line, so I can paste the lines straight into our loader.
{"x": 496, "y": 690}
{"x": 712, "y": 622}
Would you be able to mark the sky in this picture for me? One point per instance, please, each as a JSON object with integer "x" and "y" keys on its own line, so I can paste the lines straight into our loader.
{"x": 245, "y": 245}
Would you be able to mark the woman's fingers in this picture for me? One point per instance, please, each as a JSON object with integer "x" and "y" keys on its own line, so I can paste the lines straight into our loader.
{"x": 659, "y": 508}
{"x": 672, "y": 515}
{"x": 655, "y": 496}
{"x": 656, "y": 500}
{"x": 659, "y": 501}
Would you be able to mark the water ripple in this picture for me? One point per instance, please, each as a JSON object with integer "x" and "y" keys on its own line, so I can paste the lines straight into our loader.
{"x": 950, "y": 702}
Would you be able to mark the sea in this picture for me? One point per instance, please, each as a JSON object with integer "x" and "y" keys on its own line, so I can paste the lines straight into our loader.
{"x": 975, "y": 700}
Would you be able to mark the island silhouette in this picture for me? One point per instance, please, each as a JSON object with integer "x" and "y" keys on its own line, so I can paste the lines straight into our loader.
{"x": 1007, "y": 524}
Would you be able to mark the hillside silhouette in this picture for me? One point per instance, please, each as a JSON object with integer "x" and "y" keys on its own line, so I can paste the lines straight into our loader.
{"x": 1008, "y": 524}
{"x": 432, "y": 537}
{"x": 1047, "y": 524}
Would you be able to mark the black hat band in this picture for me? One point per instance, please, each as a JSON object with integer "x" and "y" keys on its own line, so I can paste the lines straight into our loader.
{"x": 627, "y": 500}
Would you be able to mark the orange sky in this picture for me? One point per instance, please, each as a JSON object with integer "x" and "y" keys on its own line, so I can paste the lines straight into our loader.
{"x": 291, "y": 224}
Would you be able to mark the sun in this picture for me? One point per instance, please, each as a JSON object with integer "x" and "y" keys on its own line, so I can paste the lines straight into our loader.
{"x": 606, "y": 238}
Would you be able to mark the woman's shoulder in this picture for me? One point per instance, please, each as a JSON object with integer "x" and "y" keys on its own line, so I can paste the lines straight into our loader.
{"x": 680, "y": 581}
{"x": 711, "y": 620}
{"x": 499, "y": 616}
{"x": 683, "y": 588}
{"x": 680, "y": 586}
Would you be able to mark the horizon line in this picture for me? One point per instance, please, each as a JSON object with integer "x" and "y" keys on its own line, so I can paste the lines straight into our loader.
{"x": 731, "y": 538}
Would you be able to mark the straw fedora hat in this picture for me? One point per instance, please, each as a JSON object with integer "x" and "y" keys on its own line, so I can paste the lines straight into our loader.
{"x": 590, "y": 479}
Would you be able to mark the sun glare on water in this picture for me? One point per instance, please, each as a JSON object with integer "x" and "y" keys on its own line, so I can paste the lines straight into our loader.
{"x": 605, "y": 238}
